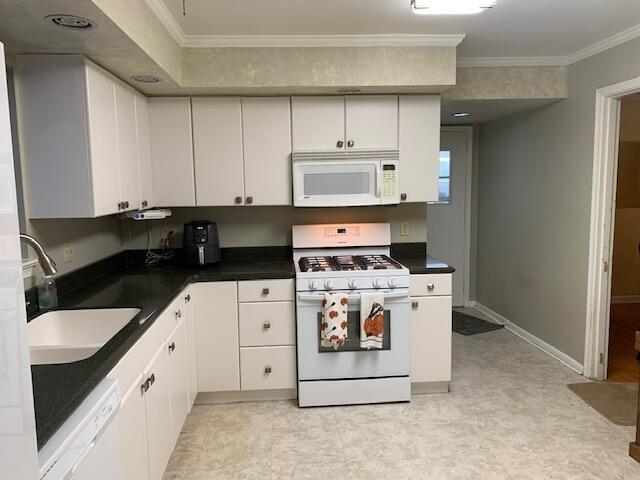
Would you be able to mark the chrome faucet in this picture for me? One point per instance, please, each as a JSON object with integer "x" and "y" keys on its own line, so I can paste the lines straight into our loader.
{"x": 45, "y": 261}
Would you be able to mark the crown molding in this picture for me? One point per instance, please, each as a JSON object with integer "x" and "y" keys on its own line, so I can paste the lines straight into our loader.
{"x": 603, "y": 45}
{"x": 254, "y": 41}
{"x": 163, "y": 14}
{"x": 512, "y": 62}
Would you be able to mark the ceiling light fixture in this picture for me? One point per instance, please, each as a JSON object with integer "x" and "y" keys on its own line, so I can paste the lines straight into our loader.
{"x": 145, "y": 79}
{"x": 450, "y": 7}
{"x": 70, "y": 21}
{"x": 460, "y": 114}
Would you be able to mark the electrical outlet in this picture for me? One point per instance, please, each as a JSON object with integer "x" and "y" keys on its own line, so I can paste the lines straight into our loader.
{"x": 68, "y": 254}
{"x": 167, "y": 237}
{"x": 404, "y": 229}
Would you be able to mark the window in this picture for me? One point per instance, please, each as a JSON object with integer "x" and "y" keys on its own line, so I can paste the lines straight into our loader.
{"x": 444, "y": 177}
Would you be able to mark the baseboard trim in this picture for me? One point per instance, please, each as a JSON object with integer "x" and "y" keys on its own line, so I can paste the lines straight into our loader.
{"x": 419, "y": 388}
{"x": 470, "y": 304}
{"x": 626, "y": 299}
{"x": 532, "y": 339}
{"x": 213, "y": 398}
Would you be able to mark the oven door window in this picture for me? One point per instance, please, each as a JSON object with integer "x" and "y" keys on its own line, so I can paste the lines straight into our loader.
{"x": 353, "y": 334}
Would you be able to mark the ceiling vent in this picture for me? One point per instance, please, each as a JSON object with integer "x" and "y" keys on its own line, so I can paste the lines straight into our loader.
{"x": 70, "y": 21}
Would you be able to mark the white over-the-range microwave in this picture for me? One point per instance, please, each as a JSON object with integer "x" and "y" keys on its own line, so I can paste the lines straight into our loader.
{"x": 345, "y": 179}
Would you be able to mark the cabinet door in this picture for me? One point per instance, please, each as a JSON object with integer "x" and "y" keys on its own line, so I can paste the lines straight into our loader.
{"x": 127, "y": 148}
{"x": 317, "y": 123}
{"x": 158, "y": 405}
{"x": 132, "y": 425}
{"x": 266, "y": 127}
{"x": 419, "y": 140}
{"x": 144, "y": 151}
{"x": 217, "y": 149}
{"x": 372, "y": 121}
{"x": 172, "y": 152}
{"x": 103, "y": 141}
{"x": 430, "y": 339}
{"x": 216, "y": 313}
{"x": 192, "y": 363}
{"x": 177, "y": 348}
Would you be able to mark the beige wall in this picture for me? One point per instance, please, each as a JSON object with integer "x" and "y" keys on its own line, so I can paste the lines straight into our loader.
{"x": 534, "y": 206}
{"x": 257, "y": 226}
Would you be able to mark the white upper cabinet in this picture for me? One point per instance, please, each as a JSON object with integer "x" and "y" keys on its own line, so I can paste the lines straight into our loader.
{"x": 419, "y": 142}
{"x": 80, "y": 139}
{"x": 127, "y": 148}
{"x": 318, "y": 123}
{"x": 266, "y": 123}
{"x": 171, "y": 151}
{"x": 217, "y": 146}
{"x": 371, "y": 121}
{"x": 144, "y": 151}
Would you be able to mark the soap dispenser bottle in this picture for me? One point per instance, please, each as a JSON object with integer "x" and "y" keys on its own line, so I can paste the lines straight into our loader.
{"x": 47, "y": 293}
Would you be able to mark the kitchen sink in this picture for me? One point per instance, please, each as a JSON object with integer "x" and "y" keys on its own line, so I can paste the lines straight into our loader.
{"x": 63, "y": 336}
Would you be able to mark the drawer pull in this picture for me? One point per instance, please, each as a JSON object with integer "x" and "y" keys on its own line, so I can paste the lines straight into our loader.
{"x": 265, "y": 291}
{"x": 430, "y": 286}
{"x": 172, "y": 347}
{"x": 187, "y": 298}
{"x": 266, "y": 325}
{"x": 414, "y": 305}
{"x": 267, "y": 370}
{"x": 179, "y": 314}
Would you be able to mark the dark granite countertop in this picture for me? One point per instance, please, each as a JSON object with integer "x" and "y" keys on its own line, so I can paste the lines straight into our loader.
{"x": 124, "y": 281}
{"x": 414, "y": 256}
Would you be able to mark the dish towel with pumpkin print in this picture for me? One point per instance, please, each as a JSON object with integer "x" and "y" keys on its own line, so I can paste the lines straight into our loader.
{"x": 371, "y": 320}
{"x": 333, "y": 331}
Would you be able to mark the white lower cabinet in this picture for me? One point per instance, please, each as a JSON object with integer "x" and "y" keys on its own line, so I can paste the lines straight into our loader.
{"x": 177, "y": 348}
{"x": 430, "y": 338}
{"x": 133, "y": 433}
{"x": 268, "y": 368}
{"x": 192, "y": 361}
{"x": 216, "y": 315}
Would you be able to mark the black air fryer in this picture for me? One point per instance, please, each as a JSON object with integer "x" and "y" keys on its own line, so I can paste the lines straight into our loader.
{"x": 201, "y": 243}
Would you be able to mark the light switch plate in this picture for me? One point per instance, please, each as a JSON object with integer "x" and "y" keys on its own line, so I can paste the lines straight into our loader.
{"x": 404, "y": 229}
{"x": 68, "y": 254}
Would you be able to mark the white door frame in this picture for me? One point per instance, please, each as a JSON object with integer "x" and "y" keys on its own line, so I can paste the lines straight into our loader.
{"x": 603, "y": 189}
{"x": 468, "y": 131}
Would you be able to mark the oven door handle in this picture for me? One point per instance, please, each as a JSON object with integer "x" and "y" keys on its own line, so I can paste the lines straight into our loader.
{"x": 306, "y": 297}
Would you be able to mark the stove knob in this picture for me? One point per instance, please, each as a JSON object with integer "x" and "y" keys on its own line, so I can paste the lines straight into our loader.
{"x": 377, "y": 283}
{"x": 353, "y": 283}
{"x": 328, "y": 285}
{"x": 392, "y": 282}
{"x": 313, "y": 285}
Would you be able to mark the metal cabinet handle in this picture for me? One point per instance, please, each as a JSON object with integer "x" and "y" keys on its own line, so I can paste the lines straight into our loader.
{"x": 126, "y": 204}
{"x": 187, "y": 298}
{"x": 153, "y": 378}
{"x": 172, "y": 347}
{"x": 430, "y": 286}
{"x": 249, "y": 200}
{"x": 265, "y": 291}
{"x": 145, "y": 386}
{"x": 144, "y": 203}
{"x": 339, "y": 144}
{"x": 403, "y": 197}
{"x": 266, "y": 325}
{"x": 179, "y": 314}
{"x": 267, "y": 370}
{"x": 120, "y": 205}
{"x": 238, "y": 200}
{"x": 415, "y": 305}
{"x": 350, "y": 143}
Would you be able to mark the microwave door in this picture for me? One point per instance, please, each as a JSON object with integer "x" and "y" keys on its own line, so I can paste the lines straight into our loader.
{"x": 336, "y": 184}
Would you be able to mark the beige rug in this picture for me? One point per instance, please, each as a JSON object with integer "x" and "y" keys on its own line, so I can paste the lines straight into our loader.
{"x": 617, "y": 402}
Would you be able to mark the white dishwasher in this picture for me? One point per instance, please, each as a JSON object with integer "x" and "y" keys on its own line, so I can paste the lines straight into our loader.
{"x": 86, "y": 445}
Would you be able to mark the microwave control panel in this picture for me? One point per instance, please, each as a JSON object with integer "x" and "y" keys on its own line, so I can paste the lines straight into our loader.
{"x": 389, "y": 180}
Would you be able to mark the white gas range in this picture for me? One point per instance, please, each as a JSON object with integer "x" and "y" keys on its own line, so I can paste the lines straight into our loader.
{"x": 352, "y": 259}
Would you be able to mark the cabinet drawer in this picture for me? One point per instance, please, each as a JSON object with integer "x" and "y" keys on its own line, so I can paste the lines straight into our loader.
{"x": 430, "y": 285}
{"x": 265, "y": 291}
{"x": 267, "y": 323}
{"x": 267, "y": 368}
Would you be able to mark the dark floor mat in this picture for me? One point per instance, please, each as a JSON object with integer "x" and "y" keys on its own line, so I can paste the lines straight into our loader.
{"x": 468, "y": 325}
{"x": 616, "y": 401}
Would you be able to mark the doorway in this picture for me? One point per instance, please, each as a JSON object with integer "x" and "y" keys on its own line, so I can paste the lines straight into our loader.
{"x": 624, "y": 312}
{"x": 448, "y": 222}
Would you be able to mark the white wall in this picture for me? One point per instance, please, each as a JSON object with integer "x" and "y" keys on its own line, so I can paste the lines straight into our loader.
{"x": 535, "y": 174}
{"x": 258, "y": 226}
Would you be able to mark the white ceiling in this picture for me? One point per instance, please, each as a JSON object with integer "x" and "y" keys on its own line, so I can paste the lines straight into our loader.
{"x": 514, "y": 28}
